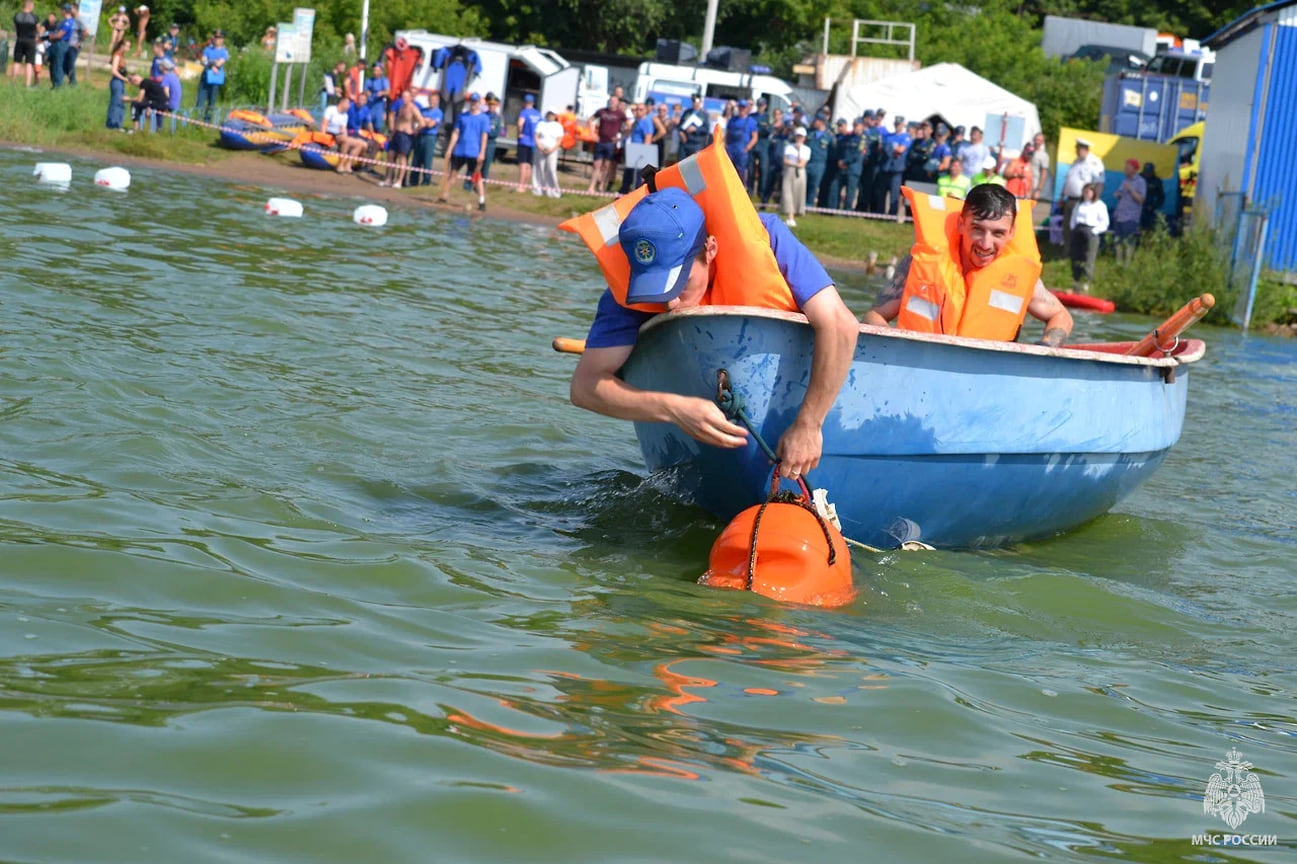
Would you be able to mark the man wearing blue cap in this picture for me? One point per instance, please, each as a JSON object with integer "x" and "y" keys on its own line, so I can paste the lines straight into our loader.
{"x": 674, "y": 260}
{"x": 740, "y": 138}
{"x": 528, "y": 119}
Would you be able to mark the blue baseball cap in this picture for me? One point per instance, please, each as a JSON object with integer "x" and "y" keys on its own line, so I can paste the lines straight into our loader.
{"x": 743, "y": 103}
{"x": 661, "y": 237}
{"x": 529, "y": 98}
{"x": 473, "y": 97}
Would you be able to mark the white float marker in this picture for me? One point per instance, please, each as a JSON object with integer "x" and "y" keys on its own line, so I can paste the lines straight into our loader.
{"x": 284, "y": 207}
{"x": 113, "y": 178}
{"x": 53, "y": 172}
{"x": 370, "y": 214}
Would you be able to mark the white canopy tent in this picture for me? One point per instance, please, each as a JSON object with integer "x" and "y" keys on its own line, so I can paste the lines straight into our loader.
{"x": 961, "y": 97}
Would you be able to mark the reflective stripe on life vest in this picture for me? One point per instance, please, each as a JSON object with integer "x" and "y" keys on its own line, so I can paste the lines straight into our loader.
{"x": 746, "y": 273}
{"x": 987, "y": 303}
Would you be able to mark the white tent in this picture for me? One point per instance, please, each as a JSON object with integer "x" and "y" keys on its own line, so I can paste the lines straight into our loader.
{"x": 961, "y": 97}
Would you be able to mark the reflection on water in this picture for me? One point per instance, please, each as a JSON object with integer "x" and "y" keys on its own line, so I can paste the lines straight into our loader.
{"x": 304, "y": 555}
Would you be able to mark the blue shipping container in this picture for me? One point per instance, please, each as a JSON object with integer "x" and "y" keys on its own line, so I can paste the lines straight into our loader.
{"x": 1151, "y": 107}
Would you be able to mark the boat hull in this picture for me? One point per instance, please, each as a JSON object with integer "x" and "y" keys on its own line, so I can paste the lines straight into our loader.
{"x": 956, "y": 442}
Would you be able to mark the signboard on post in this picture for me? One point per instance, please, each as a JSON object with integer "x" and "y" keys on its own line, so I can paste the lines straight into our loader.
{"x": 304, "y": 24}
{"x": 89, "y": 14}
{"x": 286, "y": 43}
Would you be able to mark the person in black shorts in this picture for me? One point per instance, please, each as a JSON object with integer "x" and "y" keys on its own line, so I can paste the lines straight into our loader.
{"x": 25, "y": 23}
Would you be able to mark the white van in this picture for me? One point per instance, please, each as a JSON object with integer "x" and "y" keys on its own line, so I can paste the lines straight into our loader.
{"x": 677, "y": 84}
{"x": 511, "y": 72}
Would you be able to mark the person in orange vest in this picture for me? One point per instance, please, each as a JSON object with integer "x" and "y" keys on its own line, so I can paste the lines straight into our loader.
{"x": 681, "y": 257}
{"x": 973, "y": 271}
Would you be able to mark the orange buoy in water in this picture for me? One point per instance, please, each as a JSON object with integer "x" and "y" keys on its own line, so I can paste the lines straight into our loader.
{"x": 783, "y": 549}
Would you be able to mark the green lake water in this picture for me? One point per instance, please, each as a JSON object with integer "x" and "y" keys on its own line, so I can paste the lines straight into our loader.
{"x": 304, "y": 556}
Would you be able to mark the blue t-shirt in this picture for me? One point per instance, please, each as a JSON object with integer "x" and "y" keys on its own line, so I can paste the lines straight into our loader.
{"x": 642, "y": 131}
{"x": 471, "y": 128}
{"x": 357, "y": 118}
{"x": 169, "y": 45}
{"x": 738, "y": 132}
{"x": 172, "y": 82}
{"x": 892, "y": 161}
{"x": 376, "y": 88}
{"x": 210, "y": 55}
{"x": 435, "y": 115}
{"x": 616, "y": 326}
{"x": 155, "y": 67}
{"x": 67, "y": 30}
{"x": 530, "y": 117}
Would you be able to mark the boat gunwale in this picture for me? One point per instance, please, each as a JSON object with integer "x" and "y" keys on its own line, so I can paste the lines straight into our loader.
{"x": 1189, "y": 350}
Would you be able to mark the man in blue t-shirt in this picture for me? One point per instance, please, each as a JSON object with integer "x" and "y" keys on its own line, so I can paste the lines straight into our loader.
{"x": 213, "y": 78}
{"x": 528, "y": 119}
{"x": 171, "y": 42}
{"x": 679, "y": 274}
{"x": 642, "y": 131}
{"x": 171, "y": 81}
{"x": 467, "y": 149}
{"x": 740, "y": 138}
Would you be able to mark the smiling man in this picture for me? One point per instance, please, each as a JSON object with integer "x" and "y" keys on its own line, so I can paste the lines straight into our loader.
{"x": 681, "y": 259}
{"x": 973, "y": 271}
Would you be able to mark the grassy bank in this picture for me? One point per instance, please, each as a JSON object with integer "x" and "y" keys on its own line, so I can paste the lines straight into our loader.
{"x": 73, "y": 117}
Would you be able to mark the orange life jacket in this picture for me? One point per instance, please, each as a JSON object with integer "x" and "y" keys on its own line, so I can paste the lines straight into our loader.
{"x": 248, "y": 116}
{"x": 746, "y": 272}
{"x": 987, "y": 303}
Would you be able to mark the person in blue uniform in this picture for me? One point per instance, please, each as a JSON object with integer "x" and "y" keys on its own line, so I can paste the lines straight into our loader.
{"x": 820, "y": 140}
{"x": 842, "y": 191}
{"x": 377, "y": 85}
{"x": 871, "y": 143}
{"x": 760, "y": 156}
{"x": 781, "y": 132}
{"x": 887, "y": 188}
{"x": 425, "y": 140}
{"x": 741, "y": 138}
{"x": 830, "y": 177}
{"x": 694, "y": 128}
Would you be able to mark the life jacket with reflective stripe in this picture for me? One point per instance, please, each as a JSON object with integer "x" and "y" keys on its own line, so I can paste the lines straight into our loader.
{"x": 987, "y": 303}
{"x": 746, "y": 273}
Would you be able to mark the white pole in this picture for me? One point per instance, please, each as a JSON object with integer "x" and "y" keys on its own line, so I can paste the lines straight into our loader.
{"x": 364, "y": 38}
{"x": 709, "y": 28}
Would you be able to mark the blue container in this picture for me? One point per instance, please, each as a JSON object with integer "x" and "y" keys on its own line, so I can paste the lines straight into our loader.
{"x": 1151, "y": 107}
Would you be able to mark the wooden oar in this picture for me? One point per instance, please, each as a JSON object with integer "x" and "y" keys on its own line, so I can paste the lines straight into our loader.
{"x": 569, "y": 346}
{"x": 1169, "y": 330}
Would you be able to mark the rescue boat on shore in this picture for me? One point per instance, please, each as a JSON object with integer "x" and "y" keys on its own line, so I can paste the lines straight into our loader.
{"x": 251, "y": 130}
{"x": 955, "y": 442}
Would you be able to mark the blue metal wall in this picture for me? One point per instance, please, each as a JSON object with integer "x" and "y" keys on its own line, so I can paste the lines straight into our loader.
{"x": 1276, "y": 168}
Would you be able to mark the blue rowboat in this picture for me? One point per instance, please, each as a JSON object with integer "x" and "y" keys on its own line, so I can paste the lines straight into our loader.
{"x": 955, "y": 442}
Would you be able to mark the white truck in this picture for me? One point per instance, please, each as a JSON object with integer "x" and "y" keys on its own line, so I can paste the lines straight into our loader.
{"x": 677, "y": 84}
{"x": 511, "y": 72}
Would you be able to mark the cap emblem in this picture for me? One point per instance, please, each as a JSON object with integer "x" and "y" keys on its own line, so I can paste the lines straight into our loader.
{"x": 645, "y": 252}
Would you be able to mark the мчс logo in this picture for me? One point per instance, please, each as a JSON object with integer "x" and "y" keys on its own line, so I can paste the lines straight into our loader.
{"x": 1233, "y": 792}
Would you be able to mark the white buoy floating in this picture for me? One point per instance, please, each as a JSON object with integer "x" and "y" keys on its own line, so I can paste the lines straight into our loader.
{"x": 284, "y": 207}
{"x": 370, "y": 214}
{"x": 113, "y": 178}
{"x": 53, "y": 172}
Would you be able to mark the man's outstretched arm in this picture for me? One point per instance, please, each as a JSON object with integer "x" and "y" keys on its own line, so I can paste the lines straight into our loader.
{"x": 596, "y": 387}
